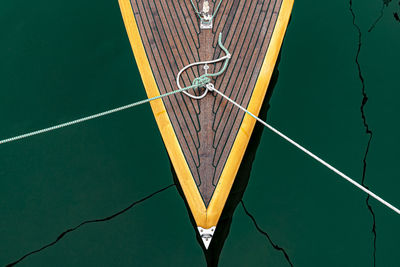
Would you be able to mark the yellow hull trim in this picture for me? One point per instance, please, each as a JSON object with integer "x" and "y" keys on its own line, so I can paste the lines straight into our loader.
{"x": 206, "y": 217}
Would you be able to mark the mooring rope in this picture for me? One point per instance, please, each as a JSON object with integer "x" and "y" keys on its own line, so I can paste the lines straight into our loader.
{"x": 205, "y": 78}
{"x": 204, "y": 81}
{"x": 323, "y": 162}
{"x": 198, "y": 82}
{"x": 211, "y": 89}
{"x": 94, "y": 116}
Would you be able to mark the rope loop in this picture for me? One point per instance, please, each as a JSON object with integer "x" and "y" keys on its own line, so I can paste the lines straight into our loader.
{"x": 204, "y": 79}
{"x": 210, "y": 87}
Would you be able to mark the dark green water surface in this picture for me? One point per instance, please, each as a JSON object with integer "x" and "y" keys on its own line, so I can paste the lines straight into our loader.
{"x": 61, "y": 60}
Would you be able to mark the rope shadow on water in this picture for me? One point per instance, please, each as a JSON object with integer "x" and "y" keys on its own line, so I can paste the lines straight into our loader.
{"x": 364, "y": 101}
{"x": 212, "y": 255}
{"x": 385, "y": 4}
{"x": 63, "y": 234}
{"x": 275, "y": 246}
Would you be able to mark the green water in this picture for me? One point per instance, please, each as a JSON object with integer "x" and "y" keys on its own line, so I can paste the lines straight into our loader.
{"x": 60, "y": 60}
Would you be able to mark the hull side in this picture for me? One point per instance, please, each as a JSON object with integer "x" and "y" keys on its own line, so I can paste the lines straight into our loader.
{"x": 206, "y": 139}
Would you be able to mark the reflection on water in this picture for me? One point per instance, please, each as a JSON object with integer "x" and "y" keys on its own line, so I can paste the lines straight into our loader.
{"x": 368, "y": 131}
{"x": 241, "y": 181}
{"x": 59, "y": 62}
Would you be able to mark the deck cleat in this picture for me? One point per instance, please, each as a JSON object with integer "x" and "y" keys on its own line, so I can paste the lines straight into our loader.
{"x": 206, "y": 21}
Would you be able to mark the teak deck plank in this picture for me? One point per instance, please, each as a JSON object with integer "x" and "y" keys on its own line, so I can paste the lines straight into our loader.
{"x": 206, "y": 129}
{"x": 206, "y": 139}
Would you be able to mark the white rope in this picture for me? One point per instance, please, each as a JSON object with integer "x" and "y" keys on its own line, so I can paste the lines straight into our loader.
{"x": 101, "y": 114}
{"x": 196, "y": 64}
{"x": 211, "y": 88}
{"x": 205, "y": 78}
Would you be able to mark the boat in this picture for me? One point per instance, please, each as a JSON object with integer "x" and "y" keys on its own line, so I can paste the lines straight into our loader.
{"x": 203, "y": 45}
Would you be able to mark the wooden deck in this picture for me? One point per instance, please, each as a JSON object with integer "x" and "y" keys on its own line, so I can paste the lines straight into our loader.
{"x": 206, "y": 130}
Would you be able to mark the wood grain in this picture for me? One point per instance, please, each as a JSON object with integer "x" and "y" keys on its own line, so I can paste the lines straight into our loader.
{"x": 206, "y": 129}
